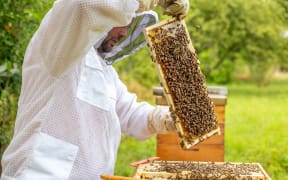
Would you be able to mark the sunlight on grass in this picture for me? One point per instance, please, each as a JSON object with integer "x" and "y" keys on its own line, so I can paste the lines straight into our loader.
{"x": 256, "y": 123}
{"x": 131, "y": 151}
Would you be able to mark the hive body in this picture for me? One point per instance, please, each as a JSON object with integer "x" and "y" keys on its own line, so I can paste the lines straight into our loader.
{"x": 184, "y": 86}
{"x": 201, "y": 170}
{"x": 212, "y": 149}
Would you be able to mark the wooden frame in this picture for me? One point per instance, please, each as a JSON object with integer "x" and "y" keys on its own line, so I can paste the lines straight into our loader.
{"x": 229, "y": 170}
{"x": 150, "y": 33}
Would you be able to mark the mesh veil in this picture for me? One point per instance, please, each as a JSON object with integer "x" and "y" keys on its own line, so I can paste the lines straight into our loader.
{"x": 135, "y": 39}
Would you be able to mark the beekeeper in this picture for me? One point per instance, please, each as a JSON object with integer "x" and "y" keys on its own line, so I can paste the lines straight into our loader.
{"x": 73, "y": 107}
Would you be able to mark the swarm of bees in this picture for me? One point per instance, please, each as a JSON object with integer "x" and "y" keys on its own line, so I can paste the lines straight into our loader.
{"x": 182, "y": 170}
{"x": 184, "y": 84}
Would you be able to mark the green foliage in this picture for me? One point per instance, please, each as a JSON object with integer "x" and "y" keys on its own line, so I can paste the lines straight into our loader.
{"x": 132, "y": 150}
{"x": 138, "y": 67}
{"x": 224, "y": 30}
{"x": 19, "y": 20}
{"x": 223, "y": 74}
{"x": 284, "y": 54}
{"x": 8, "y": 104}
{"x": 284, "y": 4}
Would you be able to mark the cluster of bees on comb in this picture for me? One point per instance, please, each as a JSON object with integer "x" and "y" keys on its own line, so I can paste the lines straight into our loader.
{"x": 183, "y": 80}
{"x": 202, "y": 170}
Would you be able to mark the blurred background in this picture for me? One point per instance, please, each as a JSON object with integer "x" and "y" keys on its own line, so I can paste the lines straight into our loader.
{"x": 242, "y": 45}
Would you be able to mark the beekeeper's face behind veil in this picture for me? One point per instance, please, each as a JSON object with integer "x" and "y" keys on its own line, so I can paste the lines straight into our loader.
{"x": 113, "y": 37}
{"x": 123, "y": 41}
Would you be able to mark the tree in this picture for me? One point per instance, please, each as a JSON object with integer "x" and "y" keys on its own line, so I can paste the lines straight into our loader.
{"x": 226, "y": 31}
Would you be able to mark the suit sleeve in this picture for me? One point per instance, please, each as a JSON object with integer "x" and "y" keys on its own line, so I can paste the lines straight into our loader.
{"x": 133, "y": 115}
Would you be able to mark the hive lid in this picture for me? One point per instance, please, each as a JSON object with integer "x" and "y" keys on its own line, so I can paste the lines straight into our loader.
{"x": 219, "y": 90}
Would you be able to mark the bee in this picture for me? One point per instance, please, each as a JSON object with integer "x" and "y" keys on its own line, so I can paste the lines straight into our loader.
{"x": 179, "y": 64}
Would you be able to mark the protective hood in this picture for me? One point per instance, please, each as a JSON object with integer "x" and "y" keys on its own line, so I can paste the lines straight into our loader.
{"x": 134, "y": 40}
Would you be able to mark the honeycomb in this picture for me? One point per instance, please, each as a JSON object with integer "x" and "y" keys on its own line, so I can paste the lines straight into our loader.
{"x": 184, "y": 170}
{"x": 184, "y": 84}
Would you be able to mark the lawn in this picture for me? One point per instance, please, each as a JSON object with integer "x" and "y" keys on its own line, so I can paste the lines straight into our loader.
{"x": 255, "y": 130}
{"x": 256, "y": 126}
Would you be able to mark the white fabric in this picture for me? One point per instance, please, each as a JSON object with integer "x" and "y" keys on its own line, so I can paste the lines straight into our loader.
{"x": 51, "y": 158}
{"x": 146, "y": 5}
{"x": 160, "y": 120}
{"x": 85, "y": 21}
{"x": 175, "y": 7}
{"x": 89, "y": 91}
{"x": 170, "y": 7}
{"x": 60, "y": 63}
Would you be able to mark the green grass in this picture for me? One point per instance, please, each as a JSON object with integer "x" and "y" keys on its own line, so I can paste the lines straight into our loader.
{"x": 256, "y": 123}
{"x": 131, "y": 151}
{"x": 256, "y": 126}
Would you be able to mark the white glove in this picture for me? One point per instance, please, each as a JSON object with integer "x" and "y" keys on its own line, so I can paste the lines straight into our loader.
{"x": 170, "y": 7}
{"x": 146, "y": 5}
{"x": 160, "y": 120}
{"x": 175, "y": 7}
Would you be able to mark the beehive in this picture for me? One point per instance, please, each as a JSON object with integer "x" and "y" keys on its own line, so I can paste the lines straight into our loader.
{"x": 178, "y": 68}
{"x": 184, "y": 170}
{"x": 211, "y": 149}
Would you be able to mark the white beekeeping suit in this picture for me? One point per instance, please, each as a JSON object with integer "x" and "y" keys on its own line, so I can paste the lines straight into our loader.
{"x": 73, "y": 107}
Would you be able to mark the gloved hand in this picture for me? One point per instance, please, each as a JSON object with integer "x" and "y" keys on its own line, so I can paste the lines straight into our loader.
{"x": 160, "y": 120}
{"x": 170, "y": 7}
{"x": 145, "y": 5}
{"x": 175, "y": 7}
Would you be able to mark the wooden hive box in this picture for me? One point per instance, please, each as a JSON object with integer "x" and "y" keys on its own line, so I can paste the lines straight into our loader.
{"x": 212, "y": 149}
{"x": 185, "y": 170}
